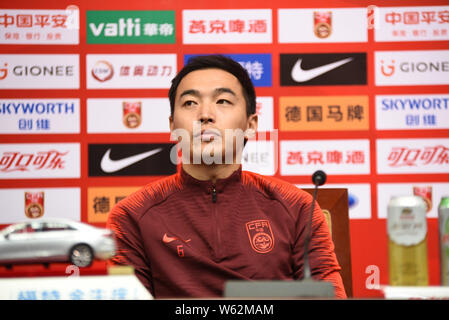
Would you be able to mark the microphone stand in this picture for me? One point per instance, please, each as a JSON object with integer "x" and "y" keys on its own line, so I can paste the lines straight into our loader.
{"x": 307, "y": 271}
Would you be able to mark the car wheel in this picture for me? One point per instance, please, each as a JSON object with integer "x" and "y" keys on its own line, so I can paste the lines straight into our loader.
{"x": 81, "y": 255}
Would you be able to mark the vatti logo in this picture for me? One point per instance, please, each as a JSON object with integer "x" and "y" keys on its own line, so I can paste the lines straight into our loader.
{"x": 387, "y": 70}
{"x": 4, "y": 71}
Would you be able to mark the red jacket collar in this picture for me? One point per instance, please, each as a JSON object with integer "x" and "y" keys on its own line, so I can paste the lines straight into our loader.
{"x": 207, "y": 185}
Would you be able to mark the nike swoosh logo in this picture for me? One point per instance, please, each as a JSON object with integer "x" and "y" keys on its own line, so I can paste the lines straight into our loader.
{"x": 300, "y": 75}
{"x": 167, "y": 239}
{"x": 108, "y": 165}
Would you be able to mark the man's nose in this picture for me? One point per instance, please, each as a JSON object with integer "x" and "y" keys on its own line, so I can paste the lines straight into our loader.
{"x": 206, "y": 113}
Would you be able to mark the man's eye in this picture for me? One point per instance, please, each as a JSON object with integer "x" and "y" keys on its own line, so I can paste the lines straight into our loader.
{"x": 224, "y": 101}
{"x": 188, "y": 103}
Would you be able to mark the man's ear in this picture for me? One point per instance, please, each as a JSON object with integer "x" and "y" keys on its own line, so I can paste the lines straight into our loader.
{"x": 252, "y": 125}
{"x": 171, "y": 124}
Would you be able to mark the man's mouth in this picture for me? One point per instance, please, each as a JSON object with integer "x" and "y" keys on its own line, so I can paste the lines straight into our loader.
{"x": 207, "y": 135}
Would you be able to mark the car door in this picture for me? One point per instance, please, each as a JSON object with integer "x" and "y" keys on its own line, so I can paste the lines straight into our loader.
{"x": 40, "y": 240}
{"x": 51, "y": 240}
{"x": 16, "y": 244}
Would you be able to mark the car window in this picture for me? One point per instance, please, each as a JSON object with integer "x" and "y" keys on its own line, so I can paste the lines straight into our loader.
{"x": 35, "y": 227}
{"x": 22, "y": 228}
{"x": 56, "y": 226}
{"x": 28, "y": 228}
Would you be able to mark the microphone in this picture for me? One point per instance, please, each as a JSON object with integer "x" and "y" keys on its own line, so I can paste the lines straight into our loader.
{"x": 318, "y": 179}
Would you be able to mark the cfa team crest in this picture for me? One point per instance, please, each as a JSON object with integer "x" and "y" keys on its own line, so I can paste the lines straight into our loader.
{"x": 34, "y": 204}
{"x": 260, "y": 235}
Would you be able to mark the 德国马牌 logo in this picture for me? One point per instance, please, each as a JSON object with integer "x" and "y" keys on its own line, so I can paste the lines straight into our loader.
{"x": 315, "y": 69}
{"x": 130, "y": 159}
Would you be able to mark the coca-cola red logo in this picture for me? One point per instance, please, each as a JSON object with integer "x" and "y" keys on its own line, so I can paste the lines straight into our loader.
{"x": 21, "y": 161}
{"x": 406, "y": 156}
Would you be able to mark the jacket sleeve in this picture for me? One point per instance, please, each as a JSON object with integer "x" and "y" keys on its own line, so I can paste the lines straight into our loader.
{"x": 323, "y": 261}
{"x": 129, "y": 245}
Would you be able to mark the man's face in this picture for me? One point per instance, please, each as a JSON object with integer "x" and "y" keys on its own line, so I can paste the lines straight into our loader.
{"x": 210, "y": 106}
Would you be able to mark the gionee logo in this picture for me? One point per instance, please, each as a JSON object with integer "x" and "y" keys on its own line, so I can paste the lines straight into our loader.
{"x": 4, "y": 72}
{"x": 387, "y": 70}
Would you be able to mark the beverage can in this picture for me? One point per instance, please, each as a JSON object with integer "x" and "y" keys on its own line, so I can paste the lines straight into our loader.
{"x": 426, "y": 193}
{"x": 443, "y": 228}
{"x": 407, "y": 241}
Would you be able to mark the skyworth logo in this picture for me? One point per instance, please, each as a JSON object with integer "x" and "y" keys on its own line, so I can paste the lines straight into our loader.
{"x": 130, "y": 27}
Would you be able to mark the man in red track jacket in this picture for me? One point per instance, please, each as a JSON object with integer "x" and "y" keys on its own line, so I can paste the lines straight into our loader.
{"x": 189, "y": 233}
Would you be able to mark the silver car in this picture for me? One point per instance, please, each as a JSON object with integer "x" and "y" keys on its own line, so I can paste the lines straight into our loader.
{"x": 55, "y": 240}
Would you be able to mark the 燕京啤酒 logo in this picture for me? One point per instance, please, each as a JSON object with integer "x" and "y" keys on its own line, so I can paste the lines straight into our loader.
{"x": 227, "y": 26}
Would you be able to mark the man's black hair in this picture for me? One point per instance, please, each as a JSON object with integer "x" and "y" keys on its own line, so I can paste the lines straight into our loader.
{"x": 216, "y": 62}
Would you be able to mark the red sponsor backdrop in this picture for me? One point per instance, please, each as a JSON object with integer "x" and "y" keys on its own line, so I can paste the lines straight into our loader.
{"x": 369, "y": 244}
